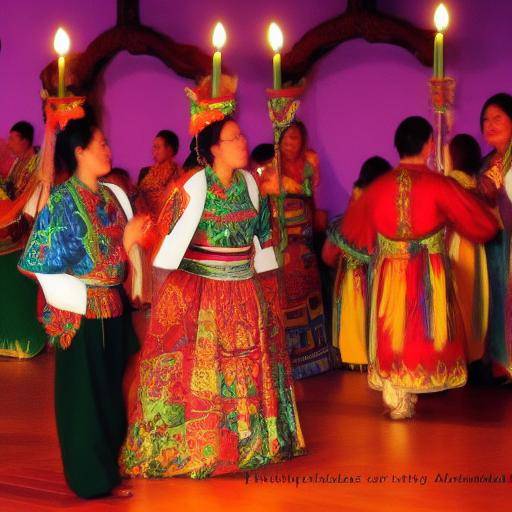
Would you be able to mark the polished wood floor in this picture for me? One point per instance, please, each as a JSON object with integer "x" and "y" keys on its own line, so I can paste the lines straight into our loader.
{"x": 466, "y": 431}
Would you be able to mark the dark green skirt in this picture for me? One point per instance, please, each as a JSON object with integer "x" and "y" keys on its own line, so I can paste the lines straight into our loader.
{"x": 21, "y": 335}
{"x": 89, "y": 405}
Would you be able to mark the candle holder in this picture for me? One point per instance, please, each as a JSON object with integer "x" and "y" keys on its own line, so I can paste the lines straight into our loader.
{"x": 204, "y": 109}
{"x": 57, "y": 113}
{"x": 282, "y": 108}
{"x": 442, "y": 97}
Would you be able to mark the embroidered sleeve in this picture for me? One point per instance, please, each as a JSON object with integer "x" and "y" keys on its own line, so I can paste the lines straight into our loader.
{"x": 264, "y": 232}
{"x": 172, "y": 210}
{"x": 336, "y": 240}
{"x": 61, "y": 326}
{"x": 56, "y": 241}
{"x": 469, "y": 216}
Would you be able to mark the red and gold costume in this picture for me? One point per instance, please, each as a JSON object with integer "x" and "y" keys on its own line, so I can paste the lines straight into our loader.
{"x": 153, "y": 185}
{"x": 350, "y": 295}
{"x": 416, "y": 337}
{"x": 471, "y": 281}
{"x": 213, "y": 392}
{"x": 303, "y": 311}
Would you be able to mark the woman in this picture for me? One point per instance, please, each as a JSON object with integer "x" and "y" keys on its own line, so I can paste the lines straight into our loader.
{"x": 496, "y": 184}
{"x": 76, "y": 253}
{"x": 213, "y": 392}
{"x": 304, "y": 311}
{"x": 467, "y": 259}
{"x": 21, "y": 335}
{"x": 350, "y": 297}
{"x": 153, "y": 181}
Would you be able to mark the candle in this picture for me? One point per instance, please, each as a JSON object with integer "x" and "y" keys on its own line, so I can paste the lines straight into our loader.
{"x": 441, "y": 19}
{"x": 275, "y": 38}
{"x": 218, "y": 40}
{"x": 61, "y": 44}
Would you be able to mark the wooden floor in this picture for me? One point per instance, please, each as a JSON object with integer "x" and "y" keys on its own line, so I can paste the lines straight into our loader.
{"x": 466, "y": 431}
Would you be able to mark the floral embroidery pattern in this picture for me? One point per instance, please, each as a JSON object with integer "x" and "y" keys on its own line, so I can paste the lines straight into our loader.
{"x": 404, "y": 227}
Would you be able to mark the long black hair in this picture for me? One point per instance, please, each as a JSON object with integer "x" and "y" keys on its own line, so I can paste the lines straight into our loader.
{"x": 201, "y": 145}
{"x": 77, "y": 134}
{"x": 303, "y": 134}
{"x": 466, "y": 154}
{"x": 372, "y": 169}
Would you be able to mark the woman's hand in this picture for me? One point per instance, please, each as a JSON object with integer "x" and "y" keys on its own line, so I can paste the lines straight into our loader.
{"x": 136, "y": 231}
{"x": 291, "y": 186}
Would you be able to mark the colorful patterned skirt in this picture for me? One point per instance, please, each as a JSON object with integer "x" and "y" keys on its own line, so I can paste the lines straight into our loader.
{"x": 213, "y": 392}
{"x": 21, "y": 335}
{"x": 304, "y": 310}
{"x": 416, "y": 336}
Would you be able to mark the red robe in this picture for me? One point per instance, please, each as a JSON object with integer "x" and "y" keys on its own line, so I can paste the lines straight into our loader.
{"x": 416, "y": 339}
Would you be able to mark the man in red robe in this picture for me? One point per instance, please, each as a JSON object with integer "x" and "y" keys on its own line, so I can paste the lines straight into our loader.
{"x": 416, "y": 340}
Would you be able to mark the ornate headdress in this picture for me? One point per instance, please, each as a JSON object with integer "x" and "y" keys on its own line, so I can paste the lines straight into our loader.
{"x": 204, "y": 109}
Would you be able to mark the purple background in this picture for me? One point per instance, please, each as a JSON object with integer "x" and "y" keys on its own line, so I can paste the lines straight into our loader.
{"x": 356, "y": 95}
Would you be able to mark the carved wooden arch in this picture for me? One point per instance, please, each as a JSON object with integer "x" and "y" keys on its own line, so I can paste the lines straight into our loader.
{"x": 84, "y": 69}
{"x": 361, "y": 19}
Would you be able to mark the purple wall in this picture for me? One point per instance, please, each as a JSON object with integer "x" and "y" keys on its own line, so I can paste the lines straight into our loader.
{"x": 357, "y": 94}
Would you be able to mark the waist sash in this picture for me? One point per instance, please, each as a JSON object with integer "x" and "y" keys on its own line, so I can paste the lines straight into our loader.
{"x": 433, "y": 244}
{"x": 220, "y": 263}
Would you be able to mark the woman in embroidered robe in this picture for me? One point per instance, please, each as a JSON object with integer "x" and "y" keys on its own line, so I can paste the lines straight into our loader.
{"x": 495, "y": 183}
{"x": 467, "y": 259}
{"x": 416, "y": 337}
{"x": 21, "y": 335}
{"x": 76, "y": 253}
{"x": 213, "y": 393}
{"x": 303, "y": 311}
{"x": 350, "y": 294}
{"x": 152, "y": 188}
{"x": 154, "y": 181}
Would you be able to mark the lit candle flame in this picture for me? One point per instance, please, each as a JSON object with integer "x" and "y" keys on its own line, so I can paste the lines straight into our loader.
{"x": 61, "y": 42}
{"x": 219, "y": 36}
{"x": 441, "y": 18}
{"x": 275, "y": 37}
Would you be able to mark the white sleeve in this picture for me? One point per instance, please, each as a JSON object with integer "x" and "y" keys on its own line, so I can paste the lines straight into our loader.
{"x": 264, "y": 259}
{"x": 175, "y": 244}
{"x": 122, "y": 198}
{"x": 63, "y": 291}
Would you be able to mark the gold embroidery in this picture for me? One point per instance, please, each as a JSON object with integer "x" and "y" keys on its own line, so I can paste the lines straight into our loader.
{"x": 419, "y": 379}
{"x": 434, "y": 244}
{"x": 404, "y": 228}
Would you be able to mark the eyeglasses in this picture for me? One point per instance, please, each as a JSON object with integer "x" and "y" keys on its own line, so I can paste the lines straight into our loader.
{"x": 240, "y": 136}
